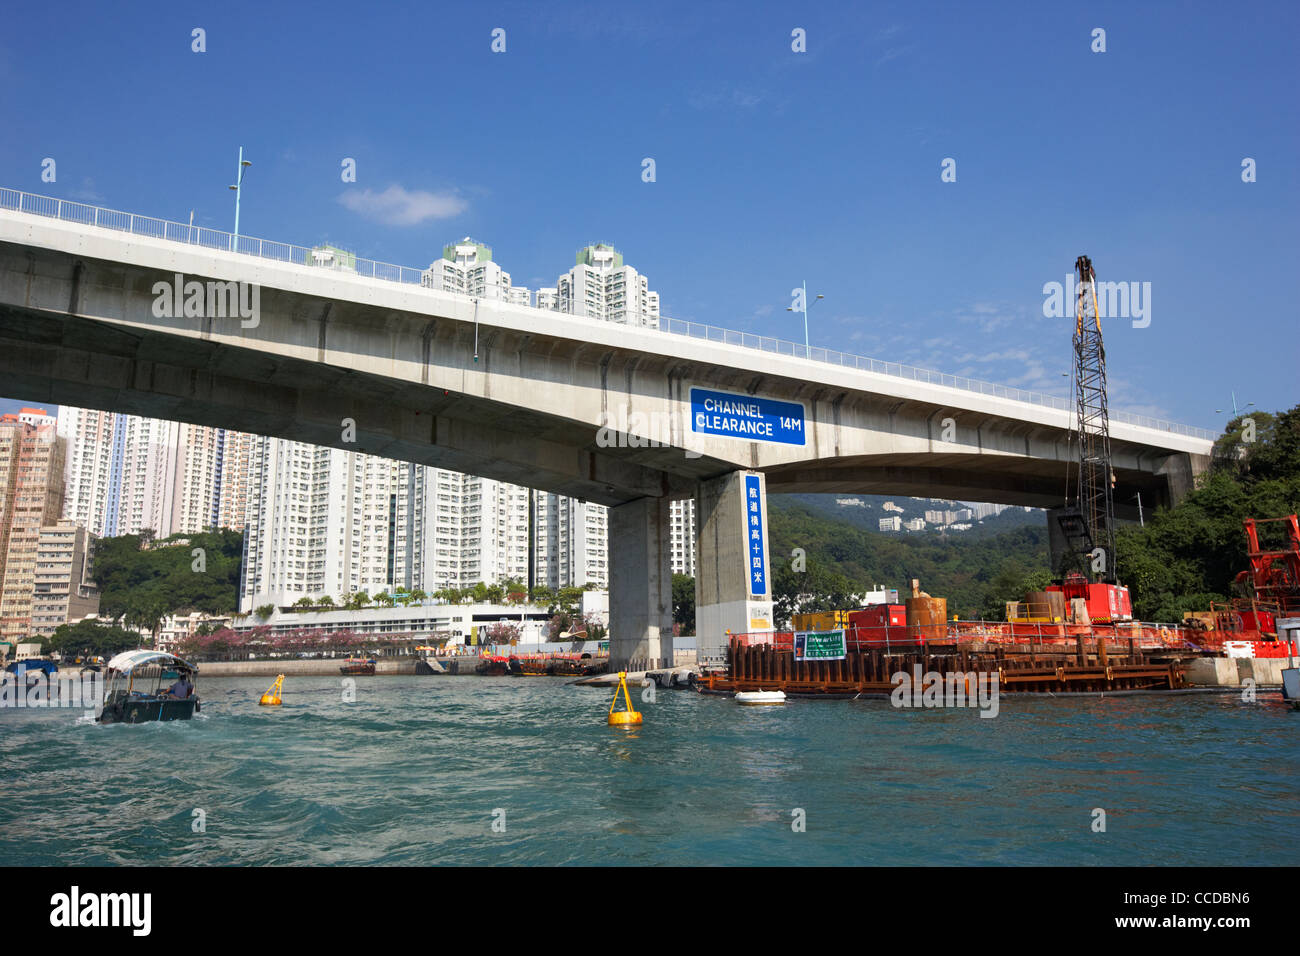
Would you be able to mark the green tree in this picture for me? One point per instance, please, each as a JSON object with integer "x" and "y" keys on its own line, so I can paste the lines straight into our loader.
{"x": 1189, "y": 555}
{"x": 684, "y": 602}
{"x": 92, "y": 638}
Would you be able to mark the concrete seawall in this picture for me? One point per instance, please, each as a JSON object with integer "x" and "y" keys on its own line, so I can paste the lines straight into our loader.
{"x": 317, "y": 668}
{"x": 1232, "y": 671}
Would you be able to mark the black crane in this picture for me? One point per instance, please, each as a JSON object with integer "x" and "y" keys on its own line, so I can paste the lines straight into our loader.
{"x": 1089, "y": 526}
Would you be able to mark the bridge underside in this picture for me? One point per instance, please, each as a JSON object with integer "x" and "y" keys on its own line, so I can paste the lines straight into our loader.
{"x": 1034, "y": 483}
{"x": 70, "y": 360}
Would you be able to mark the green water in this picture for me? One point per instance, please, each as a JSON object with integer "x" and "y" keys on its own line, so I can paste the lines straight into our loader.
{"x": 412, "y": 772}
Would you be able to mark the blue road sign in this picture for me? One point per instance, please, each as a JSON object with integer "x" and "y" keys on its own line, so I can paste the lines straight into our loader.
{"x": 753, "y": 486}
{"x": 747, "y": 417}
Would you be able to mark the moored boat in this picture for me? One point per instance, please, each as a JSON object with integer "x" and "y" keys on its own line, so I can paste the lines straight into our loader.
{"x": 356, "y": 665}
{"x": 1291, "y": 686}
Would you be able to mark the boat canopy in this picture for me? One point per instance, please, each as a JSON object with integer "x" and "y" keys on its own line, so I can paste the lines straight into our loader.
{"x": 128, "y": 661}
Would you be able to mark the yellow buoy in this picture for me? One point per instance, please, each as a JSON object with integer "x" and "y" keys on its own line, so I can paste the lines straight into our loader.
{"x": 622, "y": 717}
{"x": 272, "y": 697}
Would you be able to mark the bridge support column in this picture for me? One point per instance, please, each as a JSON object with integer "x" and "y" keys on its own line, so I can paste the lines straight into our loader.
{"x": 1181, "y": 471}
{"x": 640, "y": 586}
{"x": 733, "y": 587}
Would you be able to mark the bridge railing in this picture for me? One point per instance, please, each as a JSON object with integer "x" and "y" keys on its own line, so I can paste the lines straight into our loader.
{"x": 345, "y": 262}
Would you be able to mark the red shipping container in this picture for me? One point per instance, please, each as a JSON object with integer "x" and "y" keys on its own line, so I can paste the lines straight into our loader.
{"x": 869, "y": 624}
{"x": 1106, "y": 603}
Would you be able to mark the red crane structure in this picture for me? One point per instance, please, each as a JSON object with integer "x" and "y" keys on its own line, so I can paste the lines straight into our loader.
{"x": 1274, "y": 575}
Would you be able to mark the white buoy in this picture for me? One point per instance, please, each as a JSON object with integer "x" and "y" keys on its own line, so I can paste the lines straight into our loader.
{"x": 759, "y": 697}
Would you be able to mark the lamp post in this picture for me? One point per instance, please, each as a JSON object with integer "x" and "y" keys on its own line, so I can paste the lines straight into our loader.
{"x": 1235, "y": 411}
{"x": 238, "y": 188}
{"x": 807, "y": 349}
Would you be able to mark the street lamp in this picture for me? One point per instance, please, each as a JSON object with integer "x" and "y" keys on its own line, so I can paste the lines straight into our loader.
{"x": 807, "y": 351}
{"x": 1235, "y": 411}
{"x": 239, "y": 183}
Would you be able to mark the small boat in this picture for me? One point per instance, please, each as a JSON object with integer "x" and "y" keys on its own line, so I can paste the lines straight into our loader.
{"x": 1291, "y": 686}
{"x": 491, "y": 666}
{"x": 356, "y": 665}
{"x": 760, "y": 697}
{"x": 20, "y": 668}
{"x": 496, "y": 666}
{"x": 144, "y": 685}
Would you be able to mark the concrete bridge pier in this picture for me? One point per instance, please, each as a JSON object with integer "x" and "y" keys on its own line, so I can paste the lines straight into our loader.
{"x": 640, "y": 585}
{"x": 733, "y": 579}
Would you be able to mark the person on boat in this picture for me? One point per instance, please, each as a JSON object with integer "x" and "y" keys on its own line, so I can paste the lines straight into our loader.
{"x": 181, "y": 689}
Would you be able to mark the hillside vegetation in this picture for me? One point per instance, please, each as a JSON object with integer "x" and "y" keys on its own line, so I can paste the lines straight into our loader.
{"x": 1187, "y": 556}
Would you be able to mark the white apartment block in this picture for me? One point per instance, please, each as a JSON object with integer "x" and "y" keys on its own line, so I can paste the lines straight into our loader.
{"x": 682, "y": 536}
{"x": 324, "y": 521}
{"x": 601, "y": 286}
{"x": 893, "y": 523}
{"x": 466, "y": 267}
{"x": 916, "y": 524}
{"x": 571, "y": 539}
{"x": 89, "y": 471}
{"x": 148, "y": 476}
{"x": 125, "y": 473}
{"x": 465, "y": 530}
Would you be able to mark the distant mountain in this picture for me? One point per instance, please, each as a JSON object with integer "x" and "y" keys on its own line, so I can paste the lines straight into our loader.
{"x": 865, "y": 511}
{"x": 845, "y": 553}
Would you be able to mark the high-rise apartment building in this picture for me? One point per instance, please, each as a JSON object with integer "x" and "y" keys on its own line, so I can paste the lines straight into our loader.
{"x": 323, "y": 521}
{"x": 681, "y": 516}
{"x": 92, "y": 477}
{"x": 467, "y": 529}
{"x": 31, "y": 497}
{"x": 601, "y": 286}
{"x": 63, "y": 591}
{"x": 125, "y": 474}
{"x": 467, "y": 267}
{"x": 571, "y": 542}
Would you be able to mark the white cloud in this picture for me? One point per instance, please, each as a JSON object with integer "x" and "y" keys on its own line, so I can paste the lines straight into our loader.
{"x": 396, "y": 206}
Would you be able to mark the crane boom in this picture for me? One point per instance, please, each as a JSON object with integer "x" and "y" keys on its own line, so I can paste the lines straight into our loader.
{"x": 1096, "y": 479}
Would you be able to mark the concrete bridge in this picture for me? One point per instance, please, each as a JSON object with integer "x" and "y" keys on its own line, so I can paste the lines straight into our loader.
{"x": 108, "y": 310}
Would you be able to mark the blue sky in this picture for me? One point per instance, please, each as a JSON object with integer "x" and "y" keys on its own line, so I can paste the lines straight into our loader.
{"x": 772, "y": 166}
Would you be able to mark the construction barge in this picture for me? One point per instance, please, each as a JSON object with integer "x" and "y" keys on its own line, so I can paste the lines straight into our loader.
{"x": 1085, "y": 665}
